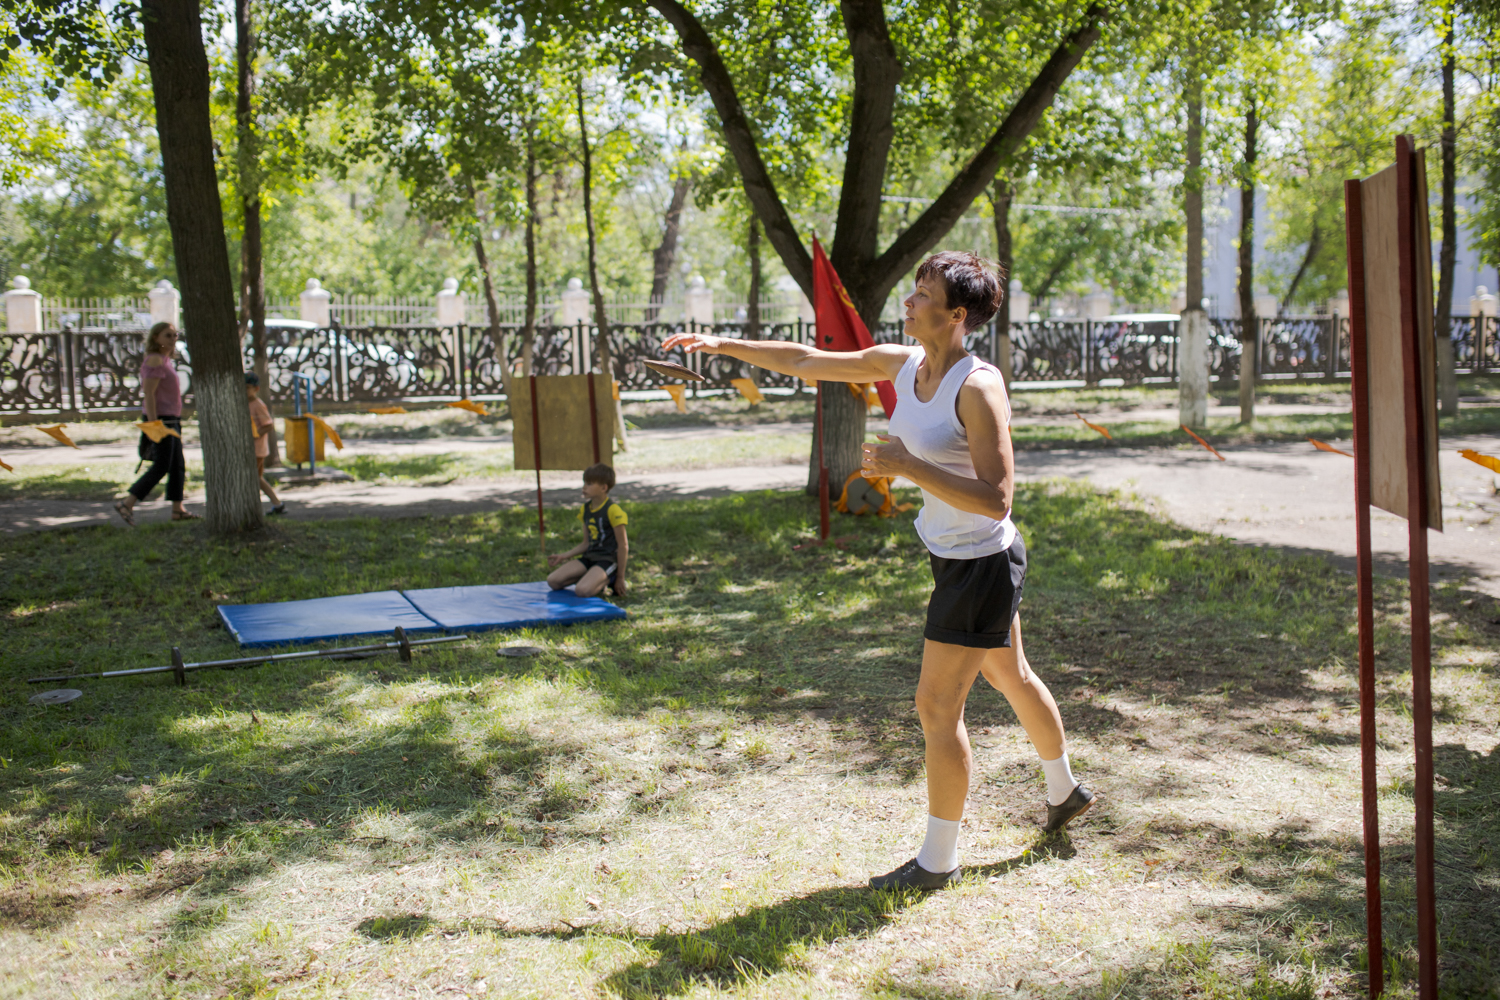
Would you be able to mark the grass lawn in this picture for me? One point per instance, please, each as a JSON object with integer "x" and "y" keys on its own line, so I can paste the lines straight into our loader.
{"x": 688, "y": 803}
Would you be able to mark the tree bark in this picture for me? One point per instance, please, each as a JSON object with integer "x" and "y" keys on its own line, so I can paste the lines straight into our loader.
{"x": 1192, "y": 340}
{"x": 665, "y": 253}
{"x": 173, "y": 33}
{"x": 252, "y": 257}
{"x": 602, "y": 353}
{"x": 1447, "y": 376}
{"x": 1314, "y": 244}
{"x": 498, "y": 339}
{"x": 1001, "y": 197}
{"x": 528, "y": 332}
{"x": 492, "y": 305}
{"x": 752, "y": 303}
{"x": 1249, "y": 327}
{"x": 877, "y": 71}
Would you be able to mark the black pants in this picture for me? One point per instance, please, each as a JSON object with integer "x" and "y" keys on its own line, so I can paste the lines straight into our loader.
{"x": 168, "y": 462}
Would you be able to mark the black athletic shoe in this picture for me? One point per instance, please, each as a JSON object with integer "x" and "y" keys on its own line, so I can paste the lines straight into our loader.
{"x": 1077, "y": 804}
{"x": 277, "y": 510}
{"x": 913, "y": 876}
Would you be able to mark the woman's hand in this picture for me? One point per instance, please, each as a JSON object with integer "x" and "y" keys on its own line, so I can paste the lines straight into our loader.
{"x": 558, "y": 559}
{"x": 888, "y": 457}
{"x": 621, "y": 587}
{"x": 695, "y": 343}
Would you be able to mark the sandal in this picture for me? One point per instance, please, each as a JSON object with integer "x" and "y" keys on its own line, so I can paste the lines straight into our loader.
{"x": 185, "y": 515}
{"x": 125, "y": 513}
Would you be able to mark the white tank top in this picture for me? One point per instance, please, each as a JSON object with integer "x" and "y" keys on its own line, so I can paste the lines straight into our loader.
{"x": 932, "y": 433}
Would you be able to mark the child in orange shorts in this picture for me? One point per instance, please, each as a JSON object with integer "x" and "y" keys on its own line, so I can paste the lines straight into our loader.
{"x": 260, "y": 426}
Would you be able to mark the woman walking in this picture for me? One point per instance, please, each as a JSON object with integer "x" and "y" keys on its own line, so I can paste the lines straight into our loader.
{"x": 162, "y": 400}
{"x": 949, "y": 436}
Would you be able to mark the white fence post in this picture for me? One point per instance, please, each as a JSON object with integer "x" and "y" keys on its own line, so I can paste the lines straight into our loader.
{"x": 23, "y": 306}
{"x": 316, "y": 304}
{"x": 452, "y": 309}
{"x": 165, "y": 302}
{"x": 1098, "y": 304}
{"x": 1483, "y": 303}
{"x": 574, "y": 307}
{"x": 1020, "y": 302}
{"x": 698, "y": 303}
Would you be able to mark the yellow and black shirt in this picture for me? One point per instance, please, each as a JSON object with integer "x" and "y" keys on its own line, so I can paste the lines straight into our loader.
{"x": 601, "y": 523}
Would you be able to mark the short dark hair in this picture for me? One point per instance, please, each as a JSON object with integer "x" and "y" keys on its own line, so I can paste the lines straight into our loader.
{"x": 969, "y": 282}
{"x": 252, "y": 379}
{"x": 600, "y": 473}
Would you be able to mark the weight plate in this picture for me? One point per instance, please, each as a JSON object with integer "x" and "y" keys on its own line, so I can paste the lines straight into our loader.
{"x": 59, "y": 697}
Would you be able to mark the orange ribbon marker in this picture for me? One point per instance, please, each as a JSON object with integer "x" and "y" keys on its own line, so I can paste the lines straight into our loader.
{"x": 322, "y": 425}
{"x": 675, "y": 390}
{"x": 615, "y": 388}
{"x": 56, "y": 431}
{"x": 748, "y": 389}
{"x": 1488, "y": 461}
{"x": 1095, "y": 427}
{"x": 386, "y": 410}
{"x": 1328, "y": 447}
{"x": 471, "y": 406}
{"x": 156, "y": 430}
{"x": 1204, "y": 443}
{"x": 6, "y": 467}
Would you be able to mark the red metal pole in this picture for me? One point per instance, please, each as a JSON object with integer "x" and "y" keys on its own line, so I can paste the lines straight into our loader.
{"x": 594, "y": 416}
{"x": 536, "y": 455}
{"x": 822, "y": 472}
{"x": 1358, "y": 354}
{"x": 1416, "y": 526}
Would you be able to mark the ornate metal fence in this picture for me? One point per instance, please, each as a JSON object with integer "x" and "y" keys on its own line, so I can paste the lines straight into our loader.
{"x": 71, "y": 370}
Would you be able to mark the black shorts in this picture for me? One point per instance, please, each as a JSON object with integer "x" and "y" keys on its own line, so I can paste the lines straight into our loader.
{"x": 975, "y": 600}
{"x": 603, "y": 560}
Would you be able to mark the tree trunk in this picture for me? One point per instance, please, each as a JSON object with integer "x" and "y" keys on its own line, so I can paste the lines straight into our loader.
{"x": 180, "y": 86}
{"x": 844, "y": 419}
{"x": 492, "y": 304}
{"x": 528, "y": 332}
{"x": 1249, "y": 327}
{"x": 665, "y": 254}
{"x": 1193, "y": 328}
{"x": 252, "y": 258}
{"x": 1314, "y": 244}
{"x": 602, "y": 352}
{"x": 1001, "y": 197}
{"x": 1447, "y": 376}
{"x": 752, "y": 304}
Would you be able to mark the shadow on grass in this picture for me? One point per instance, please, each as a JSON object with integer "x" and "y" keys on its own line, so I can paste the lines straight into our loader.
{"x": 388, "y": 928}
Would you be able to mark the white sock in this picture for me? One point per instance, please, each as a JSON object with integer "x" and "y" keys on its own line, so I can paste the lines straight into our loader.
{"x": 939, "y": 851}
{"x": 1060, "y": 781}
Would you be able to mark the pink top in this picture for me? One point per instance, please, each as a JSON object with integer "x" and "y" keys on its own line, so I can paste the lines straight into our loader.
{"x": 260, "y": 423}
{"x": 168, "y": 390}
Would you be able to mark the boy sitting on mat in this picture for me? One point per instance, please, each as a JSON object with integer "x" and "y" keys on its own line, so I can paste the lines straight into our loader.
{"x": 600, "y": 558}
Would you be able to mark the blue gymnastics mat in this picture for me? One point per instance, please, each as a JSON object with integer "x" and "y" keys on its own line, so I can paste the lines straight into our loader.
{"x": 255, "y": 625}
{"x": 510, "y": 605}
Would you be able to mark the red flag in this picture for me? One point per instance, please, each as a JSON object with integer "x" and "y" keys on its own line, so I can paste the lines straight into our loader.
{"x": 839, "y": 325}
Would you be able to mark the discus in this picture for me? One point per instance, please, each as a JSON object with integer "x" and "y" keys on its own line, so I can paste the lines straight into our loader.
{"x": 519, "y": 651}
{"x": 673, "y": 370}
{"x": 59, "y": 697}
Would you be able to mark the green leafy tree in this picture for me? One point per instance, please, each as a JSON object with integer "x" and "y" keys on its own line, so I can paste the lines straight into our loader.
{"x": 863, "y": 96}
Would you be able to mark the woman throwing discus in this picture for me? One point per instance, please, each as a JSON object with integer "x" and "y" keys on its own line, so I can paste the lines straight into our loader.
{"x": 949, "y": 435}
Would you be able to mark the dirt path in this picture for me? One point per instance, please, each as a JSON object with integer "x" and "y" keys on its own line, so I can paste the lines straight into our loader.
{"x": 1295, "y": 497}
{"x": 376, "y": 499}
{"x": 1287, "y": 495}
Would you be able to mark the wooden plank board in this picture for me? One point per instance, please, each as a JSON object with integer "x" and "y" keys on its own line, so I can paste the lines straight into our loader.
{"x": 563, "y": 416}
{"x": 1388, "y": 488}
